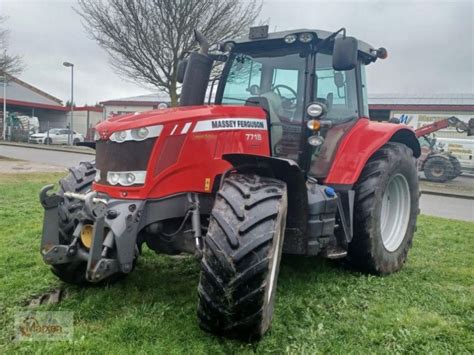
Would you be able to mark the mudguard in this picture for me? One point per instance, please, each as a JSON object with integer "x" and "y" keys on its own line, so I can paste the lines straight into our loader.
{"x": 363, "y": 140}
{"x": 288, "y": 171}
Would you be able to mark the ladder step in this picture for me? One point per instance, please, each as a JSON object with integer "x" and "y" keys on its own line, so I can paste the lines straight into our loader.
{"x": 334, "y": 252}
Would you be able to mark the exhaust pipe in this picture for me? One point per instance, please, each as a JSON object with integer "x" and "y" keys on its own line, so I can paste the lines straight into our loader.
{"x": 196, "y": 74}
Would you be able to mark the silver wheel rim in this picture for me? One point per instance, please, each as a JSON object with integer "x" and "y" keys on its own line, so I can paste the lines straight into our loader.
{"x": 395, "y": 212}
{"x": 274, "y": 265}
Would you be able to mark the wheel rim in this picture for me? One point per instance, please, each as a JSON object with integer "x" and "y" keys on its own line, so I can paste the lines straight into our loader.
{"x": 395, "y": 212}
{"x": 437, "y": 171}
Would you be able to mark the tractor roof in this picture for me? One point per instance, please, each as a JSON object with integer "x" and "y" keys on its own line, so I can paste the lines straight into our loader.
{"x": 365, "y": 49}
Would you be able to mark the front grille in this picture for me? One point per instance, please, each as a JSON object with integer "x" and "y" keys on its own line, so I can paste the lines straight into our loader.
{"x": 126, "y": 156}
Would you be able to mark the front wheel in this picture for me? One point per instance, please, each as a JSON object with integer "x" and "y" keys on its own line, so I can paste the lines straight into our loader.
{"x": 241, "y": 259}
{"x": 385, "y": 210}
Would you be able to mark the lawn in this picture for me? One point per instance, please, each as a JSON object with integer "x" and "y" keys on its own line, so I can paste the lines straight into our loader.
{"x": 321, "y": 306}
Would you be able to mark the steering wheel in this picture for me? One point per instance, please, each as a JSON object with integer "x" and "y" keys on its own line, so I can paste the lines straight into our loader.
{"x": 288, "y": 103}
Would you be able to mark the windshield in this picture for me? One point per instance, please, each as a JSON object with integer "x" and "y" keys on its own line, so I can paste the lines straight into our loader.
{"x": 54, "y": 130}
{"x": 281, "y": 80}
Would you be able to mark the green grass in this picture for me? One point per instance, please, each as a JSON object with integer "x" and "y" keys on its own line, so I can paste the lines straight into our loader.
{"x": 321, "y": 307}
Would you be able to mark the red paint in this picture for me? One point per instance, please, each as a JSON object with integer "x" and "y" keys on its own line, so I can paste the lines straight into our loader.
{"x": 200, "y": 156}
{"x": 357, "y": 147}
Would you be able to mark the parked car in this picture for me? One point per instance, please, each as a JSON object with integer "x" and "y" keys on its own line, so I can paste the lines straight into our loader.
{"x": 56, "y": 136}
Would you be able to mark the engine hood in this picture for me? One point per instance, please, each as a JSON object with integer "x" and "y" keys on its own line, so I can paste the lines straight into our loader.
{"x": 174, "y": 115}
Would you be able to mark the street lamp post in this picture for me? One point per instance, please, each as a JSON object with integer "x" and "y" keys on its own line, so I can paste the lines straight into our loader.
{"x": 4, "y": 133}
{"x": 71, "y": 127}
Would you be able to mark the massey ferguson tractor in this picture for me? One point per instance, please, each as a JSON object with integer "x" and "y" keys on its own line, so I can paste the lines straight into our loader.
{"x": 285, "y": 161}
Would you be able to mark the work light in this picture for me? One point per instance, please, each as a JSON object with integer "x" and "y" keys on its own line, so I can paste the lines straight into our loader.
{"x": 290, "y": 39}
{"x": 306, "y": 37}
{"x": 315, "y": 110}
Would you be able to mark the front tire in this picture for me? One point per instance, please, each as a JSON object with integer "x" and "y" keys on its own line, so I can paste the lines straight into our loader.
{"x": 241, "y": 259}
{"x": 78, "y": 180}
{"x": 385, "y": 210}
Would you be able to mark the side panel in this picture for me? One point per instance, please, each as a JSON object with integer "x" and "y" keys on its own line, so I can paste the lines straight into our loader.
{"x": 364, "y": 139}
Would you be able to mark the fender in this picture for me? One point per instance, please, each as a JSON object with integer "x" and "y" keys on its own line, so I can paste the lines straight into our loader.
{"x": 364, "y": 139}
{"x": 286, "y": 170}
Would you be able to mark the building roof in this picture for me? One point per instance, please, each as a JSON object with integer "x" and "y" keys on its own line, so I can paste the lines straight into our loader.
{"x": 148, "y": 99}
{"x": 422, "y": 102}
{"x": 422, "y": 99}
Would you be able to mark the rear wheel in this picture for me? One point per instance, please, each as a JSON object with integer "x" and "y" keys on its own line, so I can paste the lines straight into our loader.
{"x": 241, "y": 258}
{"x": 438, "y": 169}
{"x": 385, "y": 211}
{"x": 457, "y": 169}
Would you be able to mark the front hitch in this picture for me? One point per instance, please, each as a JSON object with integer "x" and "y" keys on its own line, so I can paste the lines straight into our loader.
{"x": 115, "y": 228}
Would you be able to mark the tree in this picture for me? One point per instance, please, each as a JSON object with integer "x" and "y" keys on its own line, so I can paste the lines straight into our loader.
{"x": 146, "y": 38}
{"x": 9, "y": 64}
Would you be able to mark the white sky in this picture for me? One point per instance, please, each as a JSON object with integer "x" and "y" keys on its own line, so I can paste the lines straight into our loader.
{"x": 430, "y": 44}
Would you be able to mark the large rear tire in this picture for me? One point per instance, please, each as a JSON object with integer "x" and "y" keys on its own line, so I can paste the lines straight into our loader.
{"x": 78, "y": 180}
{"x": 241, "y": 259}
{"x": 385, "y": 211}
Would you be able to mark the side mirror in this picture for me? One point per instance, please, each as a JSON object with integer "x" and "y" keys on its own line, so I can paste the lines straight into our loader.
{"x": 182, "y": 64}
{"x": 344, "y": 55}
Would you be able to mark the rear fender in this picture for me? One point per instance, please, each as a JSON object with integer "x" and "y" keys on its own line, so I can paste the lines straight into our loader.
{"x": 283, "y": 169}
{"x": 364, "y": 139}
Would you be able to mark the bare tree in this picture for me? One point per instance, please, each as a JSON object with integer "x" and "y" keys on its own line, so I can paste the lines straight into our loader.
{"x": 10, "y": 64}
{"x": 146, "y": 38}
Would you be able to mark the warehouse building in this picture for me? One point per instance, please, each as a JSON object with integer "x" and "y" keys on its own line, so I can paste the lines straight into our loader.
{"x": 24, "y": 99}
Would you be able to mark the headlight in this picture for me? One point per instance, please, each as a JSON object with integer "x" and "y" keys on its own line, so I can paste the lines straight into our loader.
{"x": 316, "y": 110}
{"x": 136, "y": 134}
{"x": 315, "y": 141}
{"x": 119, "y": 136}
{"x": 126, "y": 178}
{"x": 140, "y": 133}
{"x": 306, "y": 37}
{"x": 290, "y": 39}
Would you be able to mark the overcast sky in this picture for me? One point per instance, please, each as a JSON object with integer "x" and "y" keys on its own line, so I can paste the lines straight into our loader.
{"x": 430, "y": 44}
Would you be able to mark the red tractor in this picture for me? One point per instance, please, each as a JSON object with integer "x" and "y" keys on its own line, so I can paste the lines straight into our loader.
{"x": 285, "y": 161}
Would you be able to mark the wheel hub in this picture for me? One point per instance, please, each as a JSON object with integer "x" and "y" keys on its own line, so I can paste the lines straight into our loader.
{"x": 395, "y": 212}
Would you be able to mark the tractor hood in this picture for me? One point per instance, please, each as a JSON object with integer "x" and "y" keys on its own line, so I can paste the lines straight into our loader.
{"x": 174, "y": 115}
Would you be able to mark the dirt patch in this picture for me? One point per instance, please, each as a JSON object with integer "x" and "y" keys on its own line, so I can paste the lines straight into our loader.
{"x": 12, "y": 166}
{"x": 50, "y": 297}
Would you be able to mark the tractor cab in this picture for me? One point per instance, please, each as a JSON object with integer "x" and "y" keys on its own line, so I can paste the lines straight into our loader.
{"x": 309, "y": 82}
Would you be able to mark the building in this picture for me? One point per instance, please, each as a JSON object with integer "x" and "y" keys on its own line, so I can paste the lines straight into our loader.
{"x": 135, "y": 104}
{"x": 418, "y": 110}
{"x": 85, "y": 119}
{"x": 25, "y": 99}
